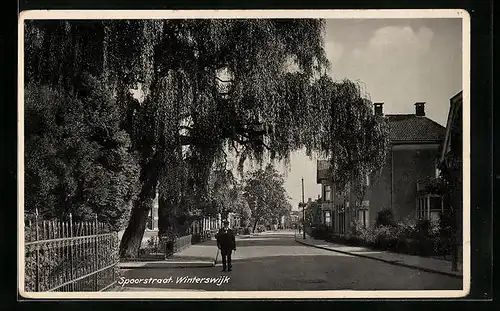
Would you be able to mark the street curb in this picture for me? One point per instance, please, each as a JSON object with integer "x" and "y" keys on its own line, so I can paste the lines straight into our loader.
{"x": 246, "y": 236}
{"x": 391, "y": 262}
{"x": 165, "y": 264}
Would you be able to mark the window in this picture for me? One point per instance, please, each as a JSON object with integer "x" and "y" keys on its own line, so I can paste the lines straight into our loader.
{"x": 328, "y": 220}
{"x": 367, "y": 180}
{"x": 328, "y": 193}
{"x": 435, "y": 215}
{"x": 363, "y": 217}
{"x": 429, "y": 208}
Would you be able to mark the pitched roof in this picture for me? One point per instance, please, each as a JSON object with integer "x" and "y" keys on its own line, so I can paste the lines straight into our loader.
{"x": 455, "y": 106}
{"x": 403, "y": 128}
{"x": 412, "y": 128}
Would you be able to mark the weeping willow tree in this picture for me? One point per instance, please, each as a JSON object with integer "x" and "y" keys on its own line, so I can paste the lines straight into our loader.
{"x": 252, "y": 86}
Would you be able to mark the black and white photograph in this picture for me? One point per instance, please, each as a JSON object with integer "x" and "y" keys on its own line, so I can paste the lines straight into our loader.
{"x": 244, "y": 154}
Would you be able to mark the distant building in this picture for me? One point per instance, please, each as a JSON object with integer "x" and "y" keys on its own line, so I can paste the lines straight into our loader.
{"x": 234, "y": 220}
{"x": 204, "y": 224}
{"x": 411, "y": 163}
{"x": 295, "y": 218}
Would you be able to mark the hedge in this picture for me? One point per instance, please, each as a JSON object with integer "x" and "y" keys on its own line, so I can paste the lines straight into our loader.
{"x": 415, "y": 238}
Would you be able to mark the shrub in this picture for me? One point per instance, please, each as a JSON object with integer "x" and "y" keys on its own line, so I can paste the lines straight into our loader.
{"x": 422, "y": 229}
{"x": 423, "y": 238}
{"x": 320, "y": 232}
{"x": 260, "y": 228}
{"x": 356, "y": 227}
{"x": 167, "y": 242}
{"x": 443, "y": 240}
{"x": 353, "y": 240}
{"x": 367, "y": 236}
{"x": 385, "y": 217}
{"x": 196, "y": 238}
{"x": 423, "y": 241}
{"x": 385, "y": 237}
{"x": 247, "y": 230}
{"x": 152, "y": 241}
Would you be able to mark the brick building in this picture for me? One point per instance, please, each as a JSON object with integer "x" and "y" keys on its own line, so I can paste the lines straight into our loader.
{"x": 411, "y": 162}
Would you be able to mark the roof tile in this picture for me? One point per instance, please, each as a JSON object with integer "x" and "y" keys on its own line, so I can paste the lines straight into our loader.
{"x": 409, "y": 127}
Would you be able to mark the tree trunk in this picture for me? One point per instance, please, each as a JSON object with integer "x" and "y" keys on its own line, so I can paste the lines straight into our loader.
{"x": 132, "y": 237}
{"x": 255, "y": 225}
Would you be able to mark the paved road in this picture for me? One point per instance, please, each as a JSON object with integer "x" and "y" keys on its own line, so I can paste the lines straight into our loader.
{"x": 274, "y": 261}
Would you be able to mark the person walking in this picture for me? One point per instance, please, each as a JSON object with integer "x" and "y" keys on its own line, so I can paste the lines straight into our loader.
{"x": 226, "y": 243}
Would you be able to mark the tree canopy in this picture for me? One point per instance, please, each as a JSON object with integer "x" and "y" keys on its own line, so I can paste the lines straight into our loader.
{"x": 266, "y": 195}
{"x": 253, "y": 86}
{"x": 77, "y": 158}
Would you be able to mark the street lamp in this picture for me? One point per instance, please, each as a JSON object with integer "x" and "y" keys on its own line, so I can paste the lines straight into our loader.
{"x": 303, "y": 205}
{"x": 303, "y": 213}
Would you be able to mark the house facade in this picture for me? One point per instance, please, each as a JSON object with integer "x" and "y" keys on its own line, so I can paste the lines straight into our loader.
{"x": 411, "y": 164}
{"x": 451, "y": 160}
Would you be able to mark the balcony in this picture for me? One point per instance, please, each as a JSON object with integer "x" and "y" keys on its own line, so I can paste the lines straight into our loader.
{"x": 430, "y": 185}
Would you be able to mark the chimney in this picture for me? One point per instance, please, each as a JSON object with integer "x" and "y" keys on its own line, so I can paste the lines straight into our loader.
{"x": 378, "y": 109}
{"x": 420, "y": 109}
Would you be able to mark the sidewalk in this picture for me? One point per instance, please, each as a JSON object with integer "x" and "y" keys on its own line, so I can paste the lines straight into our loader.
{"x": 197, "y": 255}
{"x": 415, "y": 262}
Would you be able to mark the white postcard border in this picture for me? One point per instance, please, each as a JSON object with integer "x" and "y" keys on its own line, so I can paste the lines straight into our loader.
{"x": 188, "y": 14}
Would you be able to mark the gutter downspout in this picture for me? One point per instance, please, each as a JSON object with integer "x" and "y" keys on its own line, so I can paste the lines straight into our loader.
{"x": 392, "y": 176}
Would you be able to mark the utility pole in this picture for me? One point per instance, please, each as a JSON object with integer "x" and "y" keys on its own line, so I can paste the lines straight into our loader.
{"x": 303, "y": 212}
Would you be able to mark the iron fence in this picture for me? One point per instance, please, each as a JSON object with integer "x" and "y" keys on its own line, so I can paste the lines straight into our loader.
{"x": 182, "y": 242}
{"x": 162, "y": 247}
{"x": 64, "y": 256}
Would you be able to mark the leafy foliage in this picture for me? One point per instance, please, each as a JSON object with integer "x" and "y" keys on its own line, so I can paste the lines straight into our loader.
{"x": 77, "y": 158}
{"x": 421, "y": 238}
{"x": 266, "y": 195}
{"x": 385, "y": 217}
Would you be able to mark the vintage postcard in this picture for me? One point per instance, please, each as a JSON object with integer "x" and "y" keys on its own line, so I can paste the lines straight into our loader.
{"x": 244, "y": 154}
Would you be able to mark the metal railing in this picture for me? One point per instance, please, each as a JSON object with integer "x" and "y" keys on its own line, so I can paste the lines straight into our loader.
{"x": 64, "y": 256}
{"x": 182, "y": 242}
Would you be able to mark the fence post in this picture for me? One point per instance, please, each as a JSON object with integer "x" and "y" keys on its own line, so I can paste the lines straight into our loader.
{"x": 96, "y": 265}
{"x": 37, "y": 273}
{"x": 71, "y": 251}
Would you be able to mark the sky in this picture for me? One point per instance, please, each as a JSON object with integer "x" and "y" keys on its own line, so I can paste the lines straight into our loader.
{"x": 399, "y": 62}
